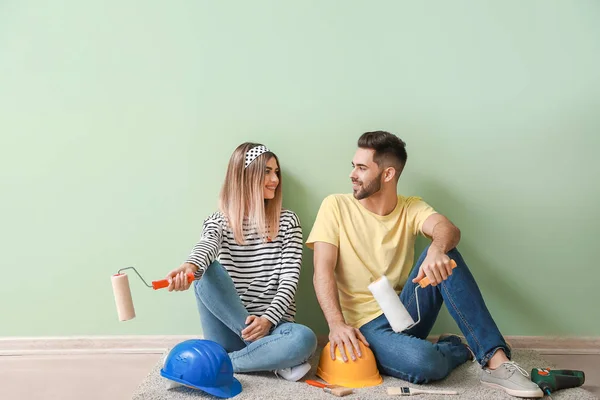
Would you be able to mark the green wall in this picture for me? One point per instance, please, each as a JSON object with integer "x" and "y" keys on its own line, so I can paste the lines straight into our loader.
{"x": 117, "y": 120}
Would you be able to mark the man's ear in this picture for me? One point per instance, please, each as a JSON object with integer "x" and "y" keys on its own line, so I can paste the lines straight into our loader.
{"x": 389, "y": 174}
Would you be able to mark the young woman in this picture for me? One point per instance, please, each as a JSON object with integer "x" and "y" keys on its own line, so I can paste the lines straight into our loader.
{"x": 247, "y": 267}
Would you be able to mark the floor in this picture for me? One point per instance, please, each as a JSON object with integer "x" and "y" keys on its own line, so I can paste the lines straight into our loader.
{"x": 70, "y": 377}
{"x": 115, "y": 376}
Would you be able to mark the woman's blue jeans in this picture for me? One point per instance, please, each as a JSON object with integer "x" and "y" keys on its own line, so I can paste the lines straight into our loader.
{"x": 223, "y": 318}
{"x": 409, "y": 356}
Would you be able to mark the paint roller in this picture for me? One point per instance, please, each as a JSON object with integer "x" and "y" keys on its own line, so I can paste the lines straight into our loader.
{"x": 392, "y": 307}
{"x": 122, "y": 292}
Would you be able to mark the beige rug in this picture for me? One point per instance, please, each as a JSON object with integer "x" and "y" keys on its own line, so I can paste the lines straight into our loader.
{"x": 266, "y": 386}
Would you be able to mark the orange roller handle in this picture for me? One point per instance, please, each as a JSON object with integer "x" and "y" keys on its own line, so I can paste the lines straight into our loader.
{"x": 425, "y": 281}
{"x": 315, "y": 383}
{"x": 163, "y": 283}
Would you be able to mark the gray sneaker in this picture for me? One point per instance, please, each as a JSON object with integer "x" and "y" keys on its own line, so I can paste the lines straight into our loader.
{"x": 511, "y": 378}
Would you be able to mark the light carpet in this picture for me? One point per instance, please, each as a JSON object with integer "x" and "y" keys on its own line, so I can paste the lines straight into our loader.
{"x": 261, "y": 386}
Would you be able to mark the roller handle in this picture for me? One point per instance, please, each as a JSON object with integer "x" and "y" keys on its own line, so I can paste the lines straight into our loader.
{"x": 163, "y": 283}
{"x": 315, "y": 383}
{"x": 425, "y": 281}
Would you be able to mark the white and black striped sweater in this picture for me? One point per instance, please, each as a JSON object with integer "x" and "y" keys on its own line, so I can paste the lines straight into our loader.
{"x": 265, "y": 275}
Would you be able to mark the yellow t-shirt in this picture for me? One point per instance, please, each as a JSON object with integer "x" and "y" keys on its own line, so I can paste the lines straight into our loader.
{"x": 369, "y": 246}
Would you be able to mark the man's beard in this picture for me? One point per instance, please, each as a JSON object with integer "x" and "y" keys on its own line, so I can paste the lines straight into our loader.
{"x": 370, "y": 189}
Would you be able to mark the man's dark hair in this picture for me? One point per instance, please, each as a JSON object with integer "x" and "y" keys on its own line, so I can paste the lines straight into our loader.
{"x": 390, "y": 150}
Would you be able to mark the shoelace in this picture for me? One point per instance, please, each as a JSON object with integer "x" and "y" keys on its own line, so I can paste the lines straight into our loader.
{"x": 513, "y": 366}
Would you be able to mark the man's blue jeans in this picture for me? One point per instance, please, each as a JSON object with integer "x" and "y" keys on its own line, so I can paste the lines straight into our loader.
{"x": 223, "y": 318}
{"x": 408, "y": 355}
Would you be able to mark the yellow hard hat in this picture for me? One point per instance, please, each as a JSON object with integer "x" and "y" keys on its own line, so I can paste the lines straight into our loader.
{"x": 353, "y": 374}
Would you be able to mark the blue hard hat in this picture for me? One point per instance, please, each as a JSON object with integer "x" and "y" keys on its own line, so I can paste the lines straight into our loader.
{"x": 204, "y": 365}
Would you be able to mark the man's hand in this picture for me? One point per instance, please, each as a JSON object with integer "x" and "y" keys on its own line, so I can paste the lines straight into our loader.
{"x": 257, "y": 328}
{"x": 436, "y": 267}
{"x": 346, "y": 338}
{"x": 178, "y": 277}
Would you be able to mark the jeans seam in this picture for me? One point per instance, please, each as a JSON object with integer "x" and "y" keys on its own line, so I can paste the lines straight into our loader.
{"x": 491, "y": 353}
{"x": 411, "y": 299}
{"x": 401, "y": 373}
{"x": 248, "y": 352}
{"x": 451, "y": 301}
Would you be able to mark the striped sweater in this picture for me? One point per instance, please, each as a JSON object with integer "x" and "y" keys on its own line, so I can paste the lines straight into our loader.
{"x": 265, "y": 275}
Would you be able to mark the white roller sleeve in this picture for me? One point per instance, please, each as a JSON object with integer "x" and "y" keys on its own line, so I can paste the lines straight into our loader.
{"x": 123, "y": 300}
{"x": 391, "y": 305}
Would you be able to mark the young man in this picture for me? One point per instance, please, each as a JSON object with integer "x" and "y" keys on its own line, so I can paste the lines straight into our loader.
{"x": 359, "y": 237}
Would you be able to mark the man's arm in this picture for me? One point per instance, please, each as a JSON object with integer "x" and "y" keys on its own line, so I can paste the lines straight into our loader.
{"x": 445, "y": 236}
{"x": 325, "y": 260}
{"x": 340, "y": 334}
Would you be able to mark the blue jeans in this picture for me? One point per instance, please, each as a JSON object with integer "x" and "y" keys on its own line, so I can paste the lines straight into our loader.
{"x": 409, "y": 356}
{"x": 223, "y": 318}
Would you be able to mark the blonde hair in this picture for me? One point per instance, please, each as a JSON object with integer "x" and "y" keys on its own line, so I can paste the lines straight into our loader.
{"x": 242, "y": 196}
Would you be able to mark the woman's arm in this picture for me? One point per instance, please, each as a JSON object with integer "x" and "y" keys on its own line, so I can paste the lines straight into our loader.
{"x": 289, "y": 274}
{"x": 203, "y": 254}
{"x": 207, "y": 248}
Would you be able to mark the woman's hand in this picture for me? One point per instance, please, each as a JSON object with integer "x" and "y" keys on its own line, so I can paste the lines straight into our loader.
{"x": 178, "y": 277}
{"x": 257, "y": 328}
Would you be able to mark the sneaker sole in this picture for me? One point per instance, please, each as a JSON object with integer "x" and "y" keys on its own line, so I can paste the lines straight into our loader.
{"x": 299, "y": 374}
{"x": 516, "y": 392}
